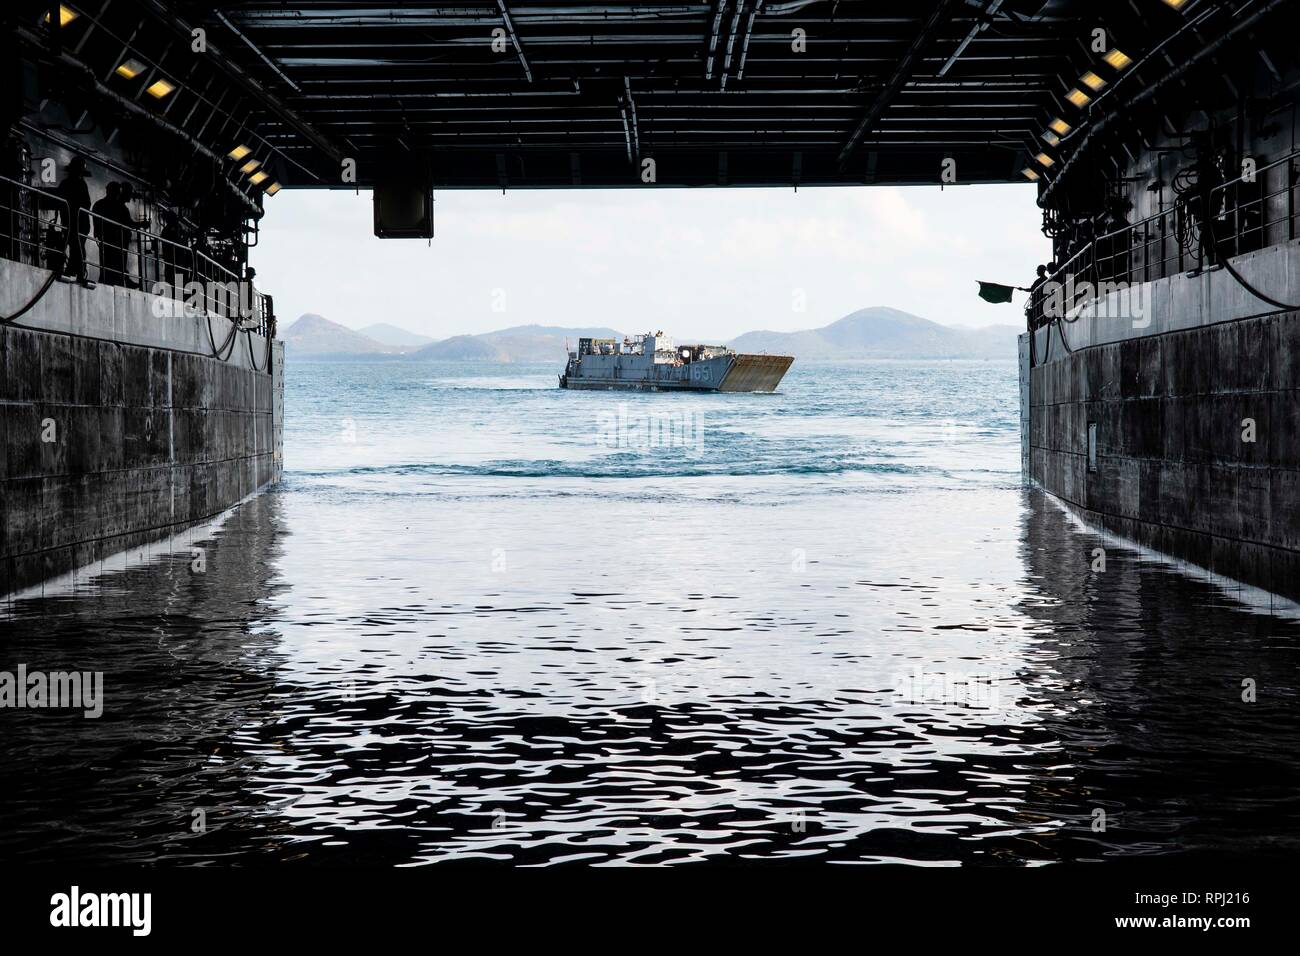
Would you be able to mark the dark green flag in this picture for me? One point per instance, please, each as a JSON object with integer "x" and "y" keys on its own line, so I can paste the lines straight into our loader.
{"x": 992, "y": 292}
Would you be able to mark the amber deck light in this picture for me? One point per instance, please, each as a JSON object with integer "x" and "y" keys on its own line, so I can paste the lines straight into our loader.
{"x": 160, "y": 88}
{"x": 129, "y": 69}
{"x": 249, "y": 166}
{"x": 272, "y": 189}
{"x": 239, "y": 152}
{"x": 1060, "y": 126}
{"x": 1042, "y": 159}
{"x": 1118, "y": 59}
{"x": 1030, "y": 173}
{"x": 257, "y": 177}
{"x": 1078, "y": 97}
{"x": 1092, "y": 81}
{"x": 66, "y": 15}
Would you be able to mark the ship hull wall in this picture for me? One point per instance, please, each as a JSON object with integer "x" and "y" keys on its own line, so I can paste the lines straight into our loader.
{"x": 119, "y": 428}
{"x": 1180, "y": 429}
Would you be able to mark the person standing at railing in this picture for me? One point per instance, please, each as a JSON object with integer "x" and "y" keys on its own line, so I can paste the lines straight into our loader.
{"x": 126, "y": 193}
{"x": 1034, "y": 307}
{"x": 1202, "y": 204}
{"x": 248, "y": 300}
{"x": 75, "y": 213}
{"x": 110, "y": 235}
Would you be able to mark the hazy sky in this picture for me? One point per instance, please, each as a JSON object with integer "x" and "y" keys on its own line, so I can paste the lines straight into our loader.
{"x": 702, "y": 264}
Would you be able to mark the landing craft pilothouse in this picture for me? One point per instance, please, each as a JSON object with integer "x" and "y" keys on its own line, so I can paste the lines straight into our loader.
{"x": 655, "y": 363}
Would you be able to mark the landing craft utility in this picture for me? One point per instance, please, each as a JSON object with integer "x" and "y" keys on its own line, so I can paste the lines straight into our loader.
{"x": 654, "y": 363}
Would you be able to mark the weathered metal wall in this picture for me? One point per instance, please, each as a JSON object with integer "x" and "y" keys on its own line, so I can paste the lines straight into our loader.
{"x": 1197, "y": 445}
{"x": 107, "y": 443}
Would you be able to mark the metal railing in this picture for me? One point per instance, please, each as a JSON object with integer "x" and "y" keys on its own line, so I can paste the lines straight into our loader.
{"x": 34, "y": 225}
{"x": 1247, "y": 213}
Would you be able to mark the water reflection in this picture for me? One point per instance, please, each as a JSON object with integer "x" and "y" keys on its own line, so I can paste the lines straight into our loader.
{"x": 1140, "y": 678}
{"x": 187, "y": 667}
{"x": 341, "y": 687}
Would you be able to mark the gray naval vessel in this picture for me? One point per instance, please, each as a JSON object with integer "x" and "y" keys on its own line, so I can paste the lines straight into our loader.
{"x": 655, "y": 363}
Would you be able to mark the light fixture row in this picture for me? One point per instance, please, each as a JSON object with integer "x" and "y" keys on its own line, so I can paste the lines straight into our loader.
{"x": 160, "y": 89}
{"x": 131, "y": 68}
{"x": 1078, "y": 96}
{"x": 252, "y": 169}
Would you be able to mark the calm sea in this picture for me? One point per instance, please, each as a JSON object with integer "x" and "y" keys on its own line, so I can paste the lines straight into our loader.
{"x": 483, "y": 619}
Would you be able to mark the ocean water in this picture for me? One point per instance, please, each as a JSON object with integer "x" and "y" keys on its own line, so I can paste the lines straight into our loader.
{"x": 486, "y": 620}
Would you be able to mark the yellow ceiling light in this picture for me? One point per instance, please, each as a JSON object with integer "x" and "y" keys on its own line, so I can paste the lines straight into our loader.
{"x": 1092, "y": 81}
{"x": 1118, "y": 59}
{"x": 129, "y": 69}
{"x": 66, "y": 15}
{"x": 249, "y": 166}
{"x": 1060, "y": 126}
{"x": 1078, "y": 97}
{"x": 1030, "y": 173}
{"x": 272, "y": 189}
{"x": 1042, "y": 159}
{"x": 239, "y": 152}
{"x": 1176, "y": 4}
{"x": 257, "y": 177}
{"x": 160, "y": 88}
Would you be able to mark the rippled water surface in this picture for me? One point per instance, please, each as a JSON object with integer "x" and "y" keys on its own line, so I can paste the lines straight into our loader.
{"x": 481, "y": 620}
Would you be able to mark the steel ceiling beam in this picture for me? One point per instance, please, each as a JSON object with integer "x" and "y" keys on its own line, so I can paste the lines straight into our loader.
{"x": 989, "y": 13}
{"x": 253, "y": 46}
{"x": 897, "y": 80}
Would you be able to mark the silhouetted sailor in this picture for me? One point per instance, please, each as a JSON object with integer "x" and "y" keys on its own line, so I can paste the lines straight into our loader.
{"x": 109, "y": 234}
{"x": 130, "y": 224}
{"x": 74, "y": 213}
{"x": 1202, "y": 206}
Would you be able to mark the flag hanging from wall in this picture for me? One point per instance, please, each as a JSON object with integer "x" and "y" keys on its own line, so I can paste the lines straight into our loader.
{"x": 992, "y": 292}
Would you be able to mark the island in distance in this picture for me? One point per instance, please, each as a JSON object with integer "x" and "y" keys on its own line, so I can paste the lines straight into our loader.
{"x": 873, "y": 333}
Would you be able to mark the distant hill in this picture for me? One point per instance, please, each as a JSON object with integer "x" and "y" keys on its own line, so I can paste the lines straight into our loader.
{"x": 522, "y": 343}
{"x": 881, "y": 332}
{"x": 877, "y": 332}
{"x": 316, "y": 335}
{"x": 394, "y": 336}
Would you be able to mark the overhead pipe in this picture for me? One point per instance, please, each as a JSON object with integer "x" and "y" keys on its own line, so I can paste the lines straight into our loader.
{"x": 713, "y": 38}
{"x": 514, "y": 38}
{"x": 731, "y": 39}
{"x": 459, "y": 16}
